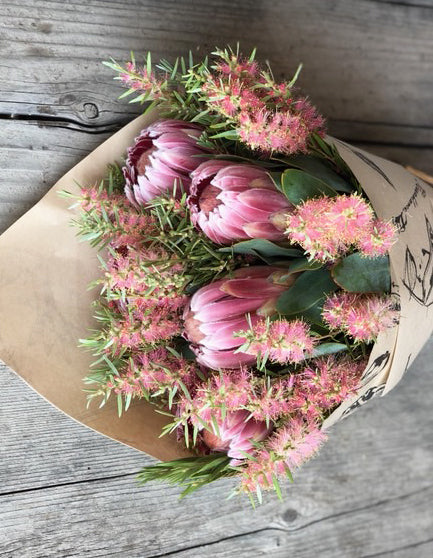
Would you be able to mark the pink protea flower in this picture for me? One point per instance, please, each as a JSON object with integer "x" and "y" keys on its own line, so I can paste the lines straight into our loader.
{"x": 281, "y": 340}
{"x": 236, "y": 434}
{"x": 362, "y": 316}
{"x": 217, "y": 311}
{"x": 232, "y": 202}
{"x": 164, "y": 154}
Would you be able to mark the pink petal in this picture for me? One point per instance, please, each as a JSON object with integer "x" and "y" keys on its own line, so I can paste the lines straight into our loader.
{"x": 225, "y": 308}
{"x": 250, "y": 288}
{"x": 264, "y": 230}
{"x": 223, "y": 359}
{"x": 264, "y": 200}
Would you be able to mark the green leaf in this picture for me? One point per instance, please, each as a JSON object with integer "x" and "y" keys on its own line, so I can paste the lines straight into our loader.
{"x": 328, "y": 349}
{"x": 260, "y": 247}
{"x": 297, "y": 265}
{"x": 299, "y": 186}
{"x": 358, "y": 274}
{"x": 321, "y": 170}
{"x": 228, "y": 134}
{"x": 308, "y": 289}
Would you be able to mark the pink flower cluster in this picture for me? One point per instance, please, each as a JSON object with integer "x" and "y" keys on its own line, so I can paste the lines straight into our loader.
{"x": 241, "y": 409}
{"x": 242, "y": 93}
{"x": 145, "y": 286}
{"x": 147, "y": 296}
{"x": 119, "y": 222}
{"x": 156, "y": 371}
{"x": 328, "y": 227}
{"x": 279, "y": 341}
{"x": 288, "y": 448}
{"x": 362, "y": 316}
{"x": 140, "y": 79}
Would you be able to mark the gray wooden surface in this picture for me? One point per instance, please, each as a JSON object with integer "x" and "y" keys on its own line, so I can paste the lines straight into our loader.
{"x": 69, "y": 492}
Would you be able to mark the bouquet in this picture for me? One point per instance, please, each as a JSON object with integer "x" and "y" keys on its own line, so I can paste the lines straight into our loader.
{"x": 258, "y": 280}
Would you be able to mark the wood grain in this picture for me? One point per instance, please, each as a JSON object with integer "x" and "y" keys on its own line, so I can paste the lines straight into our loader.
{"x": 69, "y": 492}
{"x": 363, "y": 59}
{"x": 368, "y": 493}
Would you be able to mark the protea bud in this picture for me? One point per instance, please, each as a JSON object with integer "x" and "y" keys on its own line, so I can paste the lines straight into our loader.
{"x": 219, "y": 310}
{"x": 236, "y": 434}
{"x": 230, "y": 202}
{"x": 164, "y": 153}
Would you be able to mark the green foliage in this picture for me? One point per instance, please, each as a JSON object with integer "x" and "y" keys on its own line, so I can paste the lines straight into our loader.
{"x": 261, "y": 248}
{"x": 190, "y": 472}
{"x": 328, "y": 349}
{"x": 319, "y": 168}
{"x": 299, "y": 186}
{"x": 202, "y": 261}
{"x": 356, "y": 273}
{"x": 309, "y": 288}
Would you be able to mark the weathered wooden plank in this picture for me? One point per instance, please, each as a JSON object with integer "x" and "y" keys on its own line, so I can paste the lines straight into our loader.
{"x": 368, "y": 493}
{"x": 42, "y": 447}
{"x": 32, "y": 158}
{"x": 366, "y": 62}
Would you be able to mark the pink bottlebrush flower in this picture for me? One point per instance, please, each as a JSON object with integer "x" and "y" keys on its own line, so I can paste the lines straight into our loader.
{"x": 323, "y": 384}
{"x": 265, "y": 114}
{"x": 163, "y": 156}
{"x": 362, "y": 316}
{"x": 124, "y": 225}
{"x": 326, "y": 227}
{"x": 270, "y": 132}
{"x": 155, "y": 371}
{"x": 147, "y": 279}
{"x": 231, "y": 202}
{"x": 335, "y": 308}
{"x": 236, "y": 434}
{"x": 217, "y": 311}
{"x": 129, "y": 332}
{"x": 349, "y": 216}
{"x": 281, "y": 340}
{"x": 270, "y": 401}
{"x": 214, "y": 396}
{"x": 289, "y": 447}
{"x": 377, "y": 239}
{"x": 296, "y": 442}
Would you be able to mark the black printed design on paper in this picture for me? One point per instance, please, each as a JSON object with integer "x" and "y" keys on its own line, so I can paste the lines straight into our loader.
{"x": 369, "y": 394}
{"x": 418, "y": 272}
{"x": 369, "y": 162}
{"x": 376, "y": 367}
{"x": 400, "y": 221}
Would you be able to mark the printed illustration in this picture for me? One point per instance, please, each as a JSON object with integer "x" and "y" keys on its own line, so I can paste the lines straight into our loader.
{"x": 372, "y": 392}
{"x": 402, "y": 218}
{"x": 376, "y": 367}
{"x": 368, "y": 162}
{"x": 418, "y": 271}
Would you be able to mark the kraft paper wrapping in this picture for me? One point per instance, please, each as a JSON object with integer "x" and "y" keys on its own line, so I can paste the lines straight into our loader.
{"x": 45, "y": 306}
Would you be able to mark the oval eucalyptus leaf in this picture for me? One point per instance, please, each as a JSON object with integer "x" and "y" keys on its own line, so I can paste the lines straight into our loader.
{"x": 358, "y": 274}
{"x": 261, "y": 247}
{"x": 299, "y": 186}
{"x": 313, "y": 316}
{"x": 328, "y": 349}
{"x": 308, "y": 289}
{"x": 321, "y": 170}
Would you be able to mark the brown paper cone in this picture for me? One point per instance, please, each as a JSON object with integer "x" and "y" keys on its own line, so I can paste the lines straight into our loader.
{"x": 45, "y": 306}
